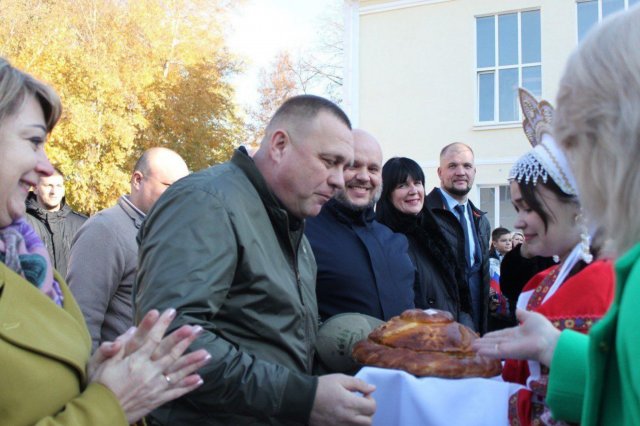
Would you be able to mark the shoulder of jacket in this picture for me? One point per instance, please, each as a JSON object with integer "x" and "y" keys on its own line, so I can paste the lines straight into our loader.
{"x": 383, "y": 229}
{"x": 433, "y": 198}
{"x": 35, "y": 221}
{"x": 217, "y": 179}
{"x": 106, "y": 218}
{"x": 30, "y": 216}
{"x": 78, "y": 215}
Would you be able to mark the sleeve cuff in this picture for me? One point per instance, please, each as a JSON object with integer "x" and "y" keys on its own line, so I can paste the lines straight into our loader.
{"x": 100, "y": 395}
{"x": 299, "y": 395}
{"x": 565, "y": 391}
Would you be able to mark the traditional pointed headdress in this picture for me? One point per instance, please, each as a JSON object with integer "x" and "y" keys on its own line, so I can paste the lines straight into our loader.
{"x": 546, "y": 158}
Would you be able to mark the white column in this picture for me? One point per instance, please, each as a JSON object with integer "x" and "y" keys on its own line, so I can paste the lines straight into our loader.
{"x": 350, "y": 89}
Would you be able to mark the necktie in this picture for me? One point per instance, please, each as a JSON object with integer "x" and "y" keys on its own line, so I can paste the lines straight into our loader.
{"x": 462, "y": 217}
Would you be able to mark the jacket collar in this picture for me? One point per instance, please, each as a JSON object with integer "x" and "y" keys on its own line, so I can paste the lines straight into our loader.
{"x": 26, "y": 315}
{"x": 132, "y": 211}
{"x": 435, "y": 201}
{"x": 347, "y": 215}
{"x": 624, "y": 265}
{"x": 280, "y": 217}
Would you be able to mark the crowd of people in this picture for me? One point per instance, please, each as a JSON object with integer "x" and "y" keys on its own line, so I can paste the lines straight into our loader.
{"x": 199, "y": 298}
{"x": 48, "y": 373}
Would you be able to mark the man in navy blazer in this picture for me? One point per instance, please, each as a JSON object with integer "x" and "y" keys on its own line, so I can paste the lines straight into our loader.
{"x": 363, "y": 266}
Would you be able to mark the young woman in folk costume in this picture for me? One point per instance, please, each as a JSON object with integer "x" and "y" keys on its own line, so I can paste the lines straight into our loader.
{"x": 595, "y": 378}
{"x": 576, "y": 292}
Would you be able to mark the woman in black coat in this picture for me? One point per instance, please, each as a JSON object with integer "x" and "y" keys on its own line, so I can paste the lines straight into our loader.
{"x": 441, "y": 281}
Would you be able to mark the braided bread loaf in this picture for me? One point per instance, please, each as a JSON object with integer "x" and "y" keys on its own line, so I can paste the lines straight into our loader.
{"x": 425, "y": 343}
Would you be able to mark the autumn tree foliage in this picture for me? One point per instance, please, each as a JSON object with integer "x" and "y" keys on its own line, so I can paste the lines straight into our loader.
{"x": 131, "y": 74}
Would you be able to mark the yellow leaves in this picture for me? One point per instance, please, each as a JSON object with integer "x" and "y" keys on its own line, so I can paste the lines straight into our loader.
{"x": 131, "y": 74}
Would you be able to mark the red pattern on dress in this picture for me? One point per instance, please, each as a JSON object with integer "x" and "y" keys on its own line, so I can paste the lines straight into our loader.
{"x": 541, "y": 291}
{"x": 577, "y": 304}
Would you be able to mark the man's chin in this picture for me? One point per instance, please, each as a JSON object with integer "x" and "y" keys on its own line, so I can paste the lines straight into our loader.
{"x": 355, "y": 206}
{"x": 459, "y": 191}
{"x": 359, "y": 206}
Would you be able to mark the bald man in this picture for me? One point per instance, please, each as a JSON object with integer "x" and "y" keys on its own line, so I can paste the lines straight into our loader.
{"x": 104, "y": 252}
{"x": 363, "y": 266}
{"x": 465, "y": 227}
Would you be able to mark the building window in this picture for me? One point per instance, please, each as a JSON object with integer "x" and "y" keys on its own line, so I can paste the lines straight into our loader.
{"x": 496, "y": 201}
{"x": 507, "y": 57}
{"x": 590, "y": 12}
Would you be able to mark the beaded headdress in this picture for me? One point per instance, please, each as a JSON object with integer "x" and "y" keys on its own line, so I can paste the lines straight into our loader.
{"x": 546, "y": 158}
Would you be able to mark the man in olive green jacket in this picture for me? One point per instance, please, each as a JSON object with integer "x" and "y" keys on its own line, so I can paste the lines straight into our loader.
{"x": 225, "y": 247}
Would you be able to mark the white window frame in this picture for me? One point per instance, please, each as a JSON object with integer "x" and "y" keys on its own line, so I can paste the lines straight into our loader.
{"x": 625, "y": 7}
{"x": 495, "y": 188}
{"x": 496, "y": 68}
{"x": 496, "y": 201}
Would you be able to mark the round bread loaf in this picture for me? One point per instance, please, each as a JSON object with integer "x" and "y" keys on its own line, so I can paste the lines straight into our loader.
{"x": 425, "y": 343}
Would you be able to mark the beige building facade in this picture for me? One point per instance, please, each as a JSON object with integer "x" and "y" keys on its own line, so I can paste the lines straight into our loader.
{"x": 424, "y": 73}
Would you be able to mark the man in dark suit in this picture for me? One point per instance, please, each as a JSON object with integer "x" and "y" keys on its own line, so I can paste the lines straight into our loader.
{"x": 465, "y": 226}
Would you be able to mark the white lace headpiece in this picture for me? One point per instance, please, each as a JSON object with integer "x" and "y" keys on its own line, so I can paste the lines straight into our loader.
{"x": 546, "y": 158}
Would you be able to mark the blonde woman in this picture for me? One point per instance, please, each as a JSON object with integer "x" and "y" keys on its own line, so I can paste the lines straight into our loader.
{"x": 595, "y": 378}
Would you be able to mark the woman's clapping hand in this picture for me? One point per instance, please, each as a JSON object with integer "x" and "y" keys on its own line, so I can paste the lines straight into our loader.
{"x": 145, "y": 370}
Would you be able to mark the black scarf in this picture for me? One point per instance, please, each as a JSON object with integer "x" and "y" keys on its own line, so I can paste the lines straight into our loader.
{"x": 425, "y": 229}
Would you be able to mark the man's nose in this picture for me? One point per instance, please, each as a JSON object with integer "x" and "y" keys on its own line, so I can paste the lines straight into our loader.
{"x": 336, "y": 178}
{"x": 43, "y": 165}
{"x": 362, "y": 174}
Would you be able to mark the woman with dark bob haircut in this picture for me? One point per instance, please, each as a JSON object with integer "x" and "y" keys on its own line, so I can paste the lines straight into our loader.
{"x": 441, "y": 283}
{"x": 48, "y": 376}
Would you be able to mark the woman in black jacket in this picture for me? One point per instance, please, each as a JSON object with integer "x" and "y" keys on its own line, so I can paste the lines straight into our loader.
{"x": 441, "y": 281}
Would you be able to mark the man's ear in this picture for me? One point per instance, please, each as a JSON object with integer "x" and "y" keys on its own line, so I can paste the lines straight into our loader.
{"x": 439, "y": 173}
{"x": 136, "y": 178}
{"x": 279, "y": 144}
